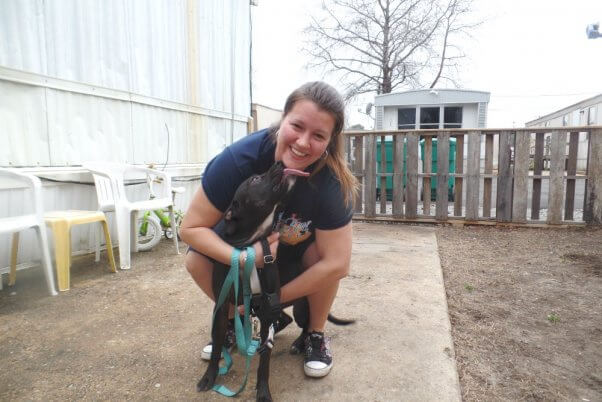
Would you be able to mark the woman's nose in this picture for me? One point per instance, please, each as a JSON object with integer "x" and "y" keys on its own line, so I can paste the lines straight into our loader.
{"x": 303, "y": 140}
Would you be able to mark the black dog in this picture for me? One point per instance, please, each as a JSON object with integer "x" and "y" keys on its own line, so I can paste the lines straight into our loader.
{"x": 249, "y": 219}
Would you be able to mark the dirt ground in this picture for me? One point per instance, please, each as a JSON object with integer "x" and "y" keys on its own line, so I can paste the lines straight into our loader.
{"x": 525, "y": 308}
{"x": 526, "y": 311}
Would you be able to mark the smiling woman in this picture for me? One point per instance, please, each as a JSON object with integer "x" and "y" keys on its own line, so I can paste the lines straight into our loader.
{"x": 312, "y": 232}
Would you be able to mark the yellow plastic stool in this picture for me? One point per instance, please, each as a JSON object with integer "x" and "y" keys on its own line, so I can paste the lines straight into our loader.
{"x": 60, "y": 222}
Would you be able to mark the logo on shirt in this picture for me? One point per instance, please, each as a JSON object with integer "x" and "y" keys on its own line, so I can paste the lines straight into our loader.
{"x": 292, "y": 230}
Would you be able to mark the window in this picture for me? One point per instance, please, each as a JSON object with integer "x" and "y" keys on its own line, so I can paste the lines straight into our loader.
{"x": 452, "y": 117}
{"x": 406, "y": 119}
{"x": 591, "y": 116}
{"x": 429, "y": 117}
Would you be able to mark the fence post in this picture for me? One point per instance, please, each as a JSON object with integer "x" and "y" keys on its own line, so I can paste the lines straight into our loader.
{"x": 398, "y": 175}
{"x": 557, "y": 161}
{"x": 521, "y": 176}
{"x": 503, "y": 204}
{"x": 442, "y": 175}
{"x": 412, "y": 176}
{"x": 593, "y": 208}
{"x": 358, "y": 163}
{"x": 370, "y": 175}
{"x": 473, "y": 162}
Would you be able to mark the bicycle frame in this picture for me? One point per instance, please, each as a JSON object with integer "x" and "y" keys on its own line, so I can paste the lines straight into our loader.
{"x": 163, "y": 218}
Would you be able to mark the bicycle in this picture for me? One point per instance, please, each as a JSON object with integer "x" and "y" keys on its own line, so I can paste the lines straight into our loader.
{"x": 152, "y": 225}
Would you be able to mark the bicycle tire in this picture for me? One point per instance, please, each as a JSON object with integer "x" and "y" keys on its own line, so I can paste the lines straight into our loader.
{"x": 154, "y": 232}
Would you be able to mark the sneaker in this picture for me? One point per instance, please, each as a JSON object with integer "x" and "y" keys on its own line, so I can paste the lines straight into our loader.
{"x": 318, "y": 358}
{"x": 229, "y": 343}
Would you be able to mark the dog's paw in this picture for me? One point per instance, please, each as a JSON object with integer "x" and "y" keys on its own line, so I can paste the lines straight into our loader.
{"x": 263, "y": 395}
{"x": 205, "y": 383}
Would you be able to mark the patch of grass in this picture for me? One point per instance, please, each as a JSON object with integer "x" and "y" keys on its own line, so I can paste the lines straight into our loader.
{"x": 553, "y": 318}
{"x": 468, "y": 287}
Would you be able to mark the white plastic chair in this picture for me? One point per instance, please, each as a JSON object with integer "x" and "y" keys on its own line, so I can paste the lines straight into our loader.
{"x": 15, "y": 224}
{"x": 110, "y": 190}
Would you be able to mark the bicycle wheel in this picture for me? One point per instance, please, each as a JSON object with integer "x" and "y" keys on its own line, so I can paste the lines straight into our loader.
{"x": 153, "y": 233}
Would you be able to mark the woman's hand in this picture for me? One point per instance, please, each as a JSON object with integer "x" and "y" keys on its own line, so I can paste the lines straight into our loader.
{"x": 272, "y": 240}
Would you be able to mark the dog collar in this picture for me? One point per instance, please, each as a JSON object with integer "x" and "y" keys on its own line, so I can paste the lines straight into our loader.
{"x": 268, "y": 258}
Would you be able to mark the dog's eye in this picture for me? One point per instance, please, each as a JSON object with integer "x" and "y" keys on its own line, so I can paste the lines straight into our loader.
{"x": 255, "y": 179}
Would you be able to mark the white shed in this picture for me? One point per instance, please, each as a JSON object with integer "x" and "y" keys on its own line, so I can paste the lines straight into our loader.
{"x": 431, "y": 108}
{"x": 587, "y": 112}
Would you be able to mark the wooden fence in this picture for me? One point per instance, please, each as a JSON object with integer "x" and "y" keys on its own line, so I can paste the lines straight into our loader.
{"x": 531, "y": 179}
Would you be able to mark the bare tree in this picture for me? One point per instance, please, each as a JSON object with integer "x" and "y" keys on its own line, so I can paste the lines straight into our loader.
{"x": 383, "y": 45}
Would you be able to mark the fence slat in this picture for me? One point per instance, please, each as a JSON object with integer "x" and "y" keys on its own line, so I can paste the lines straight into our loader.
{"x": 383, "y": 179}
{"x": 593, "y": 207}
{"x": 358, "y": 167}
{"x": 488, "y": 182}
{"x": 459, "y": 181}
{"x": 473, "y": 163}
{"x": 442, "y": 175}
{"x": 571, "y": 170}
{"x": 503, "y": 203}
{"x": 537, "y": 169}
{"x": 521, "y": 176}
{"x": 412, "y": 176}
{"x": 557, "y": 161}
{"x": 370, "y": 182}
{"x": 398, "y": 173}
{"x": 427, "y": 167}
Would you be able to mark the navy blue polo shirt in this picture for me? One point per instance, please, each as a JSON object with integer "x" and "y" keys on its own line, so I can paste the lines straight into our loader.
{"x": 315, "y": 203}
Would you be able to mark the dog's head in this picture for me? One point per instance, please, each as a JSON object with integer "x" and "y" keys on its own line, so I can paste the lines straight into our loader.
{"x": 251, "y": 214}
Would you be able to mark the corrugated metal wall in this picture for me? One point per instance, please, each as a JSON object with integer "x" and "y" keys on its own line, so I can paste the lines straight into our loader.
{"x": 116, "y": 80}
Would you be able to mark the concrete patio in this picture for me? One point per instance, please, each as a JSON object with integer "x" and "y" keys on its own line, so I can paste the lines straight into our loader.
{"x": 138, "y": 334}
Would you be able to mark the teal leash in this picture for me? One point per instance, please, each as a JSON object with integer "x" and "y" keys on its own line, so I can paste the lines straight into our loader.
{"x": 244, "y": 342}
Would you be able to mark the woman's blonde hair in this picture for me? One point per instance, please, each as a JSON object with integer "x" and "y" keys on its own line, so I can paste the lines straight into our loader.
{"x": 329, "y": 100}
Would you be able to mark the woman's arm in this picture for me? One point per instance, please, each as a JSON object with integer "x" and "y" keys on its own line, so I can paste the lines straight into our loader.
{"x": 334, "y": 257}
{"x": 196, "y": 231}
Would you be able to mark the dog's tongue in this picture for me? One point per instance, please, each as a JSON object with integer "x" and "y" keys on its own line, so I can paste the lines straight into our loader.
{"x": 295, "y": 172}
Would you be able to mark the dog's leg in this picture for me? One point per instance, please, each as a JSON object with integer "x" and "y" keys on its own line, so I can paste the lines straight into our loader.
{"x": 301, "y": 314}
{"x": 218, "y": 335}
{"x": 263, "y": 371}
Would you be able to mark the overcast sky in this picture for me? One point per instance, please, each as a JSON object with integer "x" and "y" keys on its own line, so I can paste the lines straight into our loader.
{"x": 533, "y": 56}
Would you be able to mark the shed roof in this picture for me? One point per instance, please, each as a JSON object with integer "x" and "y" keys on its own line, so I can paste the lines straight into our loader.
{"x": 431, "y": 97}
{"x": 561, "y": 112}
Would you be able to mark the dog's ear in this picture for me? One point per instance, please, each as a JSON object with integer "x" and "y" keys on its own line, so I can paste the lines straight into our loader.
{"x": 230, "y": 219}
{"x": 231, "y": 211}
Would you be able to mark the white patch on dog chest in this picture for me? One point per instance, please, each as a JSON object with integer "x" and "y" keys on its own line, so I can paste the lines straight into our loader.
{"x": 264, "y": 226}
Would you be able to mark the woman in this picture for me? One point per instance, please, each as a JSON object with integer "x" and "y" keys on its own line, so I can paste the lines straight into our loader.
{"x": 315, "y": 226}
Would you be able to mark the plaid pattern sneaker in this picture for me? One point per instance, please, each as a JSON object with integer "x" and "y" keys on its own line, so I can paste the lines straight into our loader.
{"x": 318, "y": 358}
{"x": 229, "y": 343}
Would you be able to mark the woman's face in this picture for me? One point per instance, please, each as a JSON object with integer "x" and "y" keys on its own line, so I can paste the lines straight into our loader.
{"x": 304, "y": 135}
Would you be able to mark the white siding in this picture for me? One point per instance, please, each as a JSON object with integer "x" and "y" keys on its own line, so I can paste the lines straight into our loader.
{"x": 100, "y": 80}
{"x": 81, "y": 76}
